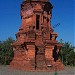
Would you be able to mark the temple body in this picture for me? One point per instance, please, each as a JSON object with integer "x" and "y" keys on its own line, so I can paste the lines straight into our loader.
{"x": 36, "y": 47}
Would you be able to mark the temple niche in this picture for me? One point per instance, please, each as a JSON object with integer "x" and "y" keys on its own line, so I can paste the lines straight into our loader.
{"x": 36, "y": 47}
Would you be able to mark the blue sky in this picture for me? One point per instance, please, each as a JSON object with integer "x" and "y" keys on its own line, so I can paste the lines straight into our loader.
{"x": 63, "y": 13}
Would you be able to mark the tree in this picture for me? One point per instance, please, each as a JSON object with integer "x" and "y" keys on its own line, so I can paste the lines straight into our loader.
{"x": 67, "y": 54}
{"x": 6, "y": 51}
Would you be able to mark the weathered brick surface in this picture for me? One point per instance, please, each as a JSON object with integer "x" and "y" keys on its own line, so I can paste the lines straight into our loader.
{"x": 36, "y": 47}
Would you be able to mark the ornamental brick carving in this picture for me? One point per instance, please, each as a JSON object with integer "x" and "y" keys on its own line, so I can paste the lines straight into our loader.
{"x": 36, "y": 47}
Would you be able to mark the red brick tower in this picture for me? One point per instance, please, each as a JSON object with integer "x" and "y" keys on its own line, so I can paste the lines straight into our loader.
{"x": 36, "y": 47}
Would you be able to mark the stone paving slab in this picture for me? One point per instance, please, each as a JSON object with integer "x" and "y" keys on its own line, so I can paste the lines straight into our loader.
{"x": 5, "y": 70}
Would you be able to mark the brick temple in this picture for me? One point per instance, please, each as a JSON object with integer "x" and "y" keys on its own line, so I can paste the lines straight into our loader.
{"x": 36, "y": 47}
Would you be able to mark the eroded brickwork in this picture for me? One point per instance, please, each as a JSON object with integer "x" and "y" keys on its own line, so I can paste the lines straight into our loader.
{"x": 36, "y": 47}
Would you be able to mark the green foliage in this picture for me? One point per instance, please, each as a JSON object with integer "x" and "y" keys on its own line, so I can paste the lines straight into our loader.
{"x": 6, "y": 51}
{"x": 67, "y": 54}
{"x": 55, "y": 73}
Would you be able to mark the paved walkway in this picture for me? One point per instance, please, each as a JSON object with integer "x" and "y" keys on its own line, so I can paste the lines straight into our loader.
{"x": 4, "y": 70}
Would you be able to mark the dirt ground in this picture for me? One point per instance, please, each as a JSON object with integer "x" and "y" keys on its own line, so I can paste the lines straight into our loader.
{"x": 5, "y": 70}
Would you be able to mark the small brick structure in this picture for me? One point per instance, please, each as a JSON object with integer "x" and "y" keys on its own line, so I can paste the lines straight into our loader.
{"x": 36, "y": 47}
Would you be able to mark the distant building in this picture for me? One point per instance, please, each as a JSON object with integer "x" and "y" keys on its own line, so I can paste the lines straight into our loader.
{"x": 36, "y": 47}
